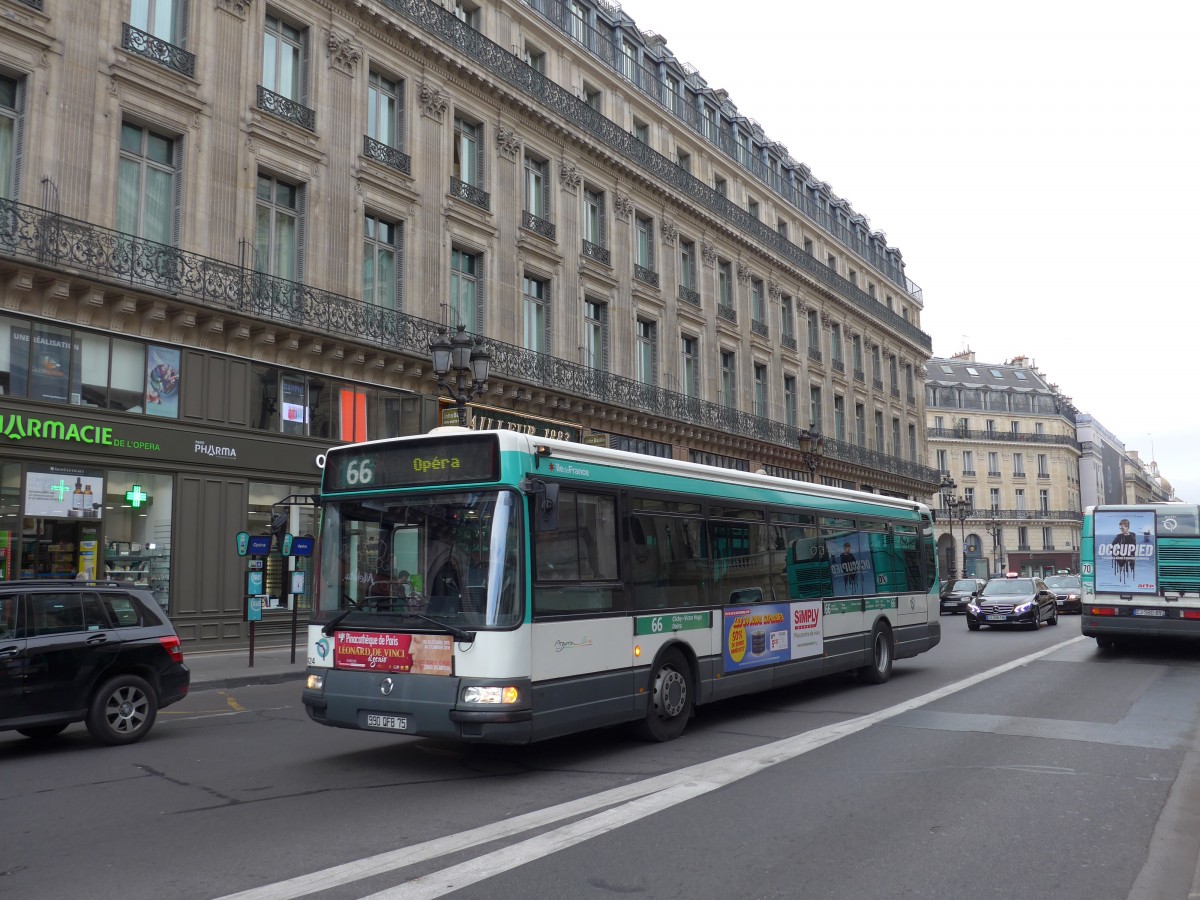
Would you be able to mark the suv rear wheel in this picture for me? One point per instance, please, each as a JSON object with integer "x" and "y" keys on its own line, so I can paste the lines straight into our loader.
{"x": 122, "y": 711}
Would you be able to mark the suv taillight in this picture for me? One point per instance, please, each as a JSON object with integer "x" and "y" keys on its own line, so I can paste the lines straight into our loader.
{"x": 173, "y": 648}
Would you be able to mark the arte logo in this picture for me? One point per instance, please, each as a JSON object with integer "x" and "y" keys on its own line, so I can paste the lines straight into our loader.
{"x": 206, "y": 449}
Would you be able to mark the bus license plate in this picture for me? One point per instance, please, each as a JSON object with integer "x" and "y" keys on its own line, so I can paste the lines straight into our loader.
{"x": 1149, "y": 612}
{"x": 393, "y": 723}
{"x": 995, "y": 618}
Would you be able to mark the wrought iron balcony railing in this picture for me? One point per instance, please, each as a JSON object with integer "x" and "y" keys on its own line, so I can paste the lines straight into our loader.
{"x": 728, "y": 313}
{"x": 470, "y": 193}
{"x": 787, "y": 341}
{"x": 596, "y": 252}
{"x": 538, "y": 225}
{"x": 1021, "y": 437}
{"x": 760, "y": 328}
{"x": 1016, "y": 515}
{"x": 57, "y": 242}
{"x": 388, "y": 155}
{"x": 814, "y": 354}
{"x": 137, "y": 41}
{"x": 511, "y": 69}
{"x": 689, "y": 296}
{"x": 288, "y": 110}
{"x": 645, "y": 275}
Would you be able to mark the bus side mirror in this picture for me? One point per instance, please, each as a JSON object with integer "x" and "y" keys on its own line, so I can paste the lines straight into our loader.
{"x": 545, "y": 504}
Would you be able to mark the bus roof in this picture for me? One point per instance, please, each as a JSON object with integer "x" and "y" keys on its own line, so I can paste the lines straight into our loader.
{"x": 559, "y": 450}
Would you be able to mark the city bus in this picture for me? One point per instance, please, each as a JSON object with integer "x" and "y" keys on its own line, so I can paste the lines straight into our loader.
{"x": 492, "y": 586}
{"x": 1140, "y": 567}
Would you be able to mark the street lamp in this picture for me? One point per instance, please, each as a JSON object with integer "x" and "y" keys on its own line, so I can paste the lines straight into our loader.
{"x": 812, "y": 448}
{"x": 959, "y": 508}
{"x": 464, "y": 358}
{"x": 997, "y": 533}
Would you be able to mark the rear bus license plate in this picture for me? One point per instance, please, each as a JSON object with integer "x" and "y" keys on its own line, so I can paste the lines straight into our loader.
{"x": 1149, "y": 612}
{"x": 392, "y": 723}
{"x": 995, "y": 618}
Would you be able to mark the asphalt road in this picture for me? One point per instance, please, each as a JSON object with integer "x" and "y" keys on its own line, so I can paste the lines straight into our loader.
{"x": 1002, "y": 764}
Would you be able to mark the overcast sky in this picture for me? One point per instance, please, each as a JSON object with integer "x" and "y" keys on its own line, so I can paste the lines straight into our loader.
{"x": 1036, "y": 162}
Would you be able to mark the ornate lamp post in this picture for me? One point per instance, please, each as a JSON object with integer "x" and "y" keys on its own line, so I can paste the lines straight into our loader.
{"x": 812, "y": 449}
{"x": 463, "y": 358}
{"x": 997, "y": 533}
{"x": 959, "y": 508}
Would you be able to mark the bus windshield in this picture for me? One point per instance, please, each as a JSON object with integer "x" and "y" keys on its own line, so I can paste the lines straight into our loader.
{"x": 396, "y": 562}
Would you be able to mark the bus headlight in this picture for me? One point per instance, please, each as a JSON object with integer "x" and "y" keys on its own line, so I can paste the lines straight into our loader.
{"x": 315, "y": 682}
{"x": 488, "y": 695}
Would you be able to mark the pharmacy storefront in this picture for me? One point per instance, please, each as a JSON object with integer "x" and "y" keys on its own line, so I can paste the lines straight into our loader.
{"x": 152, "y": 504}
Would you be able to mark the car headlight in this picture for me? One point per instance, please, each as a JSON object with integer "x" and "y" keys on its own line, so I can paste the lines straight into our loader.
{"x": 1072, "y": 596}
{"x": 972, "y": 606}
{"x": 1024, "y": 607}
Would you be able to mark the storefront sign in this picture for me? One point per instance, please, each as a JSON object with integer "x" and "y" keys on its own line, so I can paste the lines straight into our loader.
{"x": 486, "y": 418}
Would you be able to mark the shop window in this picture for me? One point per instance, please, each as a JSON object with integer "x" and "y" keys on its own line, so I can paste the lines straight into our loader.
{"x": 137, "y": 531}
{"x": 265, "y": 505}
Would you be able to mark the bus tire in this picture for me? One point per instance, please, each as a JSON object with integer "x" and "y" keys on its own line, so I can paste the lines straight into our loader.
{"x": 883, "y": 653}
{"x": 669, "y": 704}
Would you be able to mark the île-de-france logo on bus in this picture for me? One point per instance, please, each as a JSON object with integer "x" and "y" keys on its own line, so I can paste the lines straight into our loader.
{"x": 563, "y": 468}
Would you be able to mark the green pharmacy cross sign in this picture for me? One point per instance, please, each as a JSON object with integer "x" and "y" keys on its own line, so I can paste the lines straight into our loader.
{"x": 60, "y": 489}
{"x": 136, "y": 496}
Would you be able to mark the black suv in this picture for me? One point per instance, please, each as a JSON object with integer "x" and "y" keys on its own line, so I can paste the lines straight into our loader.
{"x": 94, "y": 652}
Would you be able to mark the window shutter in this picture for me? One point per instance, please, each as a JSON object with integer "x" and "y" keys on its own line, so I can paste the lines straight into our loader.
{"x": 177, "y": 212}
{"x": 401, "y": 115}
{"x": 480, "y": 281}
{"x": 548, "y": 306}
{"x": 181, "y": 27}
{"x": 399, "y": 245}
{"x": 479, "y": 157}
{"x": 601, "y": 198}
{"x": 654, "y": 356}
{"x": 650, "y": 245}
{"x": 14, "y": 189}
{"x": 301, "y": 228}
{"x": 305, "y": 44}
{"x": 604, "y": 356}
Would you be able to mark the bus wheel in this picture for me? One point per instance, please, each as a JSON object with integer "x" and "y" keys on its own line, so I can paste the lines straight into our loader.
{"x": 880, "y": 668}
{"x": 669, "y": 705}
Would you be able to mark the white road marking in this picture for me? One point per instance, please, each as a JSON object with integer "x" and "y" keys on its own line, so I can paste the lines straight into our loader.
{"x": 620, "y": 806}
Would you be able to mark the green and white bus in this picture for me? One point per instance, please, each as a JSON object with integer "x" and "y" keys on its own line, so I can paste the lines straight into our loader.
{"x": 490, "y": 586}
{"x": 1140, "y": 567}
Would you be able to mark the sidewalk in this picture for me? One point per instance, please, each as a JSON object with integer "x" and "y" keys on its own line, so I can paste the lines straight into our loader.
{"x": 215, "y": 669}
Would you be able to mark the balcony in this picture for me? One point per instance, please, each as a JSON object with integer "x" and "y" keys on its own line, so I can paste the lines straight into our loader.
{"x": 839, "y": 366}
{"x": 147, "y": 45}
{"x": 788, "y": 341}
{"x": 387, "y": 155}
{"x": 596, "y": 252}
{"x": 728, "y": 313}
{"x": 645, "y": 275}
{"x": 760, "y": 328}
{"x": 860, "y": 376}
{"x": 972, "y": 434}
{"x": 687, "y": 295}
{"x": 288, "y": 110}
{"x": 814, "y": 354}
{"x": 470, "y": 193}
{"x": 538, "y": 225}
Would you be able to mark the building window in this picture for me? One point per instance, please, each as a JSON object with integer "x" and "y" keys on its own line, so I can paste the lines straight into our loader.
{"x": 728, "y": 387}
{"x": 831, "y": 261}
{"x": 577, "y": 20}
{"x": 687, "y": 266}
{"x": 1047, "y": 538}
{"x": 465, "y": 284}
{"x": 537, "y": 314}
{"x": 895, "y": 449}
{"x": 912, "y": 442}
{"x": 595, "y": 334}
{"x": 856, "y": 349}
{"x": 760, "y": 390}
{"x": 12, "y": 108}
{"x": 993, "y": 463}
{"x": 1043, "y": 463}
{"x": 278, "y": 223}
{"x": 758, "y": 301}
{"x": 534, "y": 58}
{"x": 467, "y": 13}
{"x": 781, "y": 228}
{"x": 468, "y": 163}
{"x": 814, "y": 331}
{"x": 720, "y": 185}
{"x": 860, "y": 424}
{"x": 161, "y": 18}
{"x": 1019, "y": 465}
{"x": 147, "y": 186}
{"x": 283, "y": 59}
{"x": 752, "y": 208}
{"x": 815, "y": 417}
{"x": 383, "y": 242}
{"x": 789, "y": 401}
{"x": 536, "y": 195}
{"x": 1020, "y": 493}
{"x": 1022, "y": 537}
{"x": 683, "y": 160}
{"x": 725, "y": 283}
{"x": 385, "y": 110}
{"x": 943, "y": 461}
{"x": 690, "y": 366}
{"x": 644, "y": 228}
{"x": 994, "y": 497}
{"x": 835, "y": 343}
{"x": 1044, "y": 500}
{"x": 641, "y": 131}
{"x": 968, "y": 462}
{"x": 594, "y": 231}
{"x": 647, "y": 352}
{"x": 787, "y": 319}
{"x": 593, "y": 97}
{"x": 839, "y": 417}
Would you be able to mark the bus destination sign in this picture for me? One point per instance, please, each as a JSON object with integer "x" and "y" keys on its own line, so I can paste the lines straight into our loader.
{"x": 379, "y": 466}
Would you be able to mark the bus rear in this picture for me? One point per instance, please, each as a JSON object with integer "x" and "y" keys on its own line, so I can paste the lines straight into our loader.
{"x": 1141, "y": 572}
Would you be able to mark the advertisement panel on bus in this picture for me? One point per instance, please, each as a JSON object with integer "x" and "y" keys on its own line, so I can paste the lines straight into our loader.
{"x": 1126, "y": 552}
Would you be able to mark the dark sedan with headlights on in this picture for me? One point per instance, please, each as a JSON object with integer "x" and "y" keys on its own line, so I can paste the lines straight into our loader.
{"x": 958, "y": 593}
{"x": 1068, "y": 591}
{"x": 1014, "y": 600}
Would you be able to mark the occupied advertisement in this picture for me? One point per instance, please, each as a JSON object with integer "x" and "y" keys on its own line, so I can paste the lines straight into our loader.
{"x": 411, "y": 654}
{"x": 1126, "y": 552}
{"x": 808, "y": 630}
{"x": 850, "y": 564}
{"x": 64, "y": 493}
{"x": 756, "y": 636}
{"x": 46, "y": 356}
{"x": 162, "y": 382}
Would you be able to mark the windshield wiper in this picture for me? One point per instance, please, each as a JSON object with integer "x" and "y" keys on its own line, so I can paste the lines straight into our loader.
{"x": 333, "y": 623}
{"x": 466, "y": 637}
